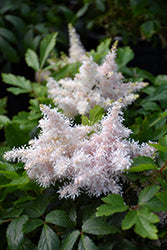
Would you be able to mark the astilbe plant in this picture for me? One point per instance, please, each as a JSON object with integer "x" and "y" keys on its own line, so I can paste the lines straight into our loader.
{"x": 63, "y": 152}
{"x": 92, "y": 157}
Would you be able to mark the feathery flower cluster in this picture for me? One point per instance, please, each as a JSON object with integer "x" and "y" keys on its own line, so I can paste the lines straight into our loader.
{"x": 84, "y": 158}
{"x": 76, "y": 50}
{"x": 93, "y": 85}
{"x": 67, "y": 154}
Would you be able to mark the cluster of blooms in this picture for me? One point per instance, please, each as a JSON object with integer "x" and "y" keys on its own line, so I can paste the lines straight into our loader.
{"x": 93, "y": 85}
{"x": 89, "y": 158}
{"x": 66, "y": 153}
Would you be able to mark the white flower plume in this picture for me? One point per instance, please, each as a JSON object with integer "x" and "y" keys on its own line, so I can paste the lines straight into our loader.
{"x": 93, "y": 85}
{"x": 65, "y": 153}
{"x": 76, "y": 49}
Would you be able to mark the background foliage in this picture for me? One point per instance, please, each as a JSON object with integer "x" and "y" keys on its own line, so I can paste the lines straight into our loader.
{"x": 34, "y": 218}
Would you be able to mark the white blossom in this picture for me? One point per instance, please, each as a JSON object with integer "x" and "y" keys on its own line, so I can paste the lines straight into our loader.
{"x": 66, "y": 153}
{"x": 93, "y": 85}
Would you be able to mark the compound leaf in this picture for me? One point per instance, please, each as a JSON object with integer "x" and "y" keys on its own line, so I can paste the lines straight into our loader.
{"x": 143, "y": 221}
{"x": 115, "y": 204}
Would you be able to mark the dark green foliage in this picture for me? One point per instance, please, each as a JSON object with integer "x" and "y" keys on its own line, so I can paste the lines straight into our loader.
{"x": 35, "y": 218}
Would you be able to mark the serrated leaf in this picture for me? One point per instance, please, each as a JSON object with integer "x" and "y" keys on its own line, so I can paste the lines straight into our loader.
{"x": 143, "y": 221}
{"x": 48, "y": 239}
{"x": 46, "y": 45}
{"x": 60, "y": 218}
{"x": 86, "y": 243}
{"x": 98, "y": 227}
{"x": 14, "y": 232}
{"x": 31, "y": 225}
{"x": 115, "y": 204}
{"x": 18, "y": 81}
{"x": 70, "y": 240}
{"x": 142, "y": 163}
{"x": 32, "y": 59}
{"x": 147, "y": 194}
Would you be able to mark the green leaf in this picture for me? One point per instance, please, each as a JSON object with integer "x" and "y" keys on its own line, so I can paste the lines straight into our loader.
{"x": 85, "y": 120}
{"x": 155, "y": 205}
{"x": 13, "y": 212}
{"x": 95, "y": 114}
{"x": 37, "y": 208}
{"x": 100, "y": 5}
{"x": 86, "y": 243}
{"x": 162, "y": 182}
{"x": 8, "y": 51}
{"x": 159, "y": 147}
{"x": 28, "y": 245}
{"x": 151, "y": 106}
{"x": 14, "y": 232}
{"x": 46, "y": 45}
{"x": 125, "y": 55}
{"x": 7, "y": 34}
{"x": 18, "y": 81}
{"x": 3, "y": 120}
{"x": 20, "y": 181}
{"x": 16, "y": 21}
{"x": 48, "y": 239}
{"x": 163, "y": 142}
{"x": 82, "y": 11}
{"x": 23, "y": 199}
{"x": 68, "y": 70}
{"x": 98, "y": 227}
{"x": 9, "y": 174}
{"x": 162, "y": 197}
{"x": 32, "y": 59}
{"x": 142, "y": 163}
{"x": 31, "y": 225}
{"x": 15, "y": 135}
{"x": 70, "y": 240}
{"x": 160, "y": 79}
{"x": 115, "y": 204}
{"x": 3, "y": 104}
{"x": 60, "y": 218}
{"x": 148, "y": 28}
{"x": 147, "y": 194}
{"x": 143, "y": 221}
{"x": 101, "y": 51}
